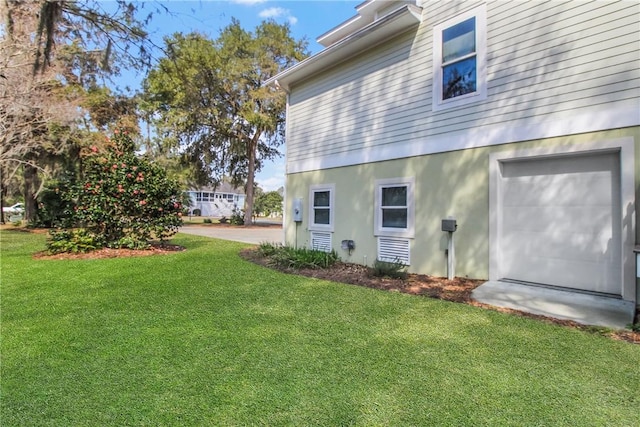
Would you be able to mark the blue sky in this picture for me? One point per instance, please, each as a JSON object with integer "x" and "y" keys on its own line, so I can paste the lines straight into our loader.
{"x": 307, "y": 19}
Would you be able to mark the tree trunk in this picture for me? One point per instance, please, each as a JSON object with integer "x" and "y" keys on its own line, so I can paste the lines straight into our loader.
{"x": 251, "y": 172}
{"x": 31, "y": 185}
{"x": 2, "y": 192}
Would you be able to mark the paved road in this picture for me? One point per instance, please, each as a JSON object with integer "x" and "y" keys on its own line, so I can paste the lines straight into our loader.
{"x": 254, "y": 235}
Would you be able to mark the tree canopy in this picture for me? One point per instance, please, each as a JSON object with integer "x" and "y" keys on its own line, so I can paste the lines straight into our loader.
{"x": 209, "y": 101}
{"x": 54, "y": 56}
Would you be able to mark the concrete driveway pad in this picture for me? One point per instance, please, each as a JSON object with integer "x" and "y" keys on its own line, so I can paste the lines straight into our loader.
{"x": 253, "y": 234}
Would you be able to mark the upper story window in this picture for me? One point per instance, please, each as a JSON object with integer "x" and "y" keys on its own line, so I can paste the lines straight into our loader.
{"x": 460, "y": 60}
{"x": 394, "y": 214}
{"x": 321, "y": 209}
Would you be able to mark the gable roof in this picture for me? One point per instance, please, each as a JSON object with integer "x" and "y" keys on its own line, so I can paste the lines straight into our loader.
{"x": 385, "y": 27}
{"x": 223, "y": 187}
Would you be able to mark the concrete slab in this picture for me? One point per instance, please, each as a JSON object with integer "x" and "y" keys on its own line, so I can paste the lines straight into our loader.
{"x": 253, "y": 235}
{"x": 583, "y": 308}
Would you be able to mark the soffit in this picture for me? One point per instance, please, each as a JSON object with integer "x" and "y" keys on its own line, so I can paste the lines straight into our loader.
{"x": 394, "y": 23}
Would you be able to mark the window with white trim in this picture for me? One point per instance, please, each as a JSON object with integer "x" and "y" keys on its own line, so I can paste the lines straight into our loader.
{"x": 321, "y": 207}
{"x": 459, "y": 60}
{"x": 394, "y": 207}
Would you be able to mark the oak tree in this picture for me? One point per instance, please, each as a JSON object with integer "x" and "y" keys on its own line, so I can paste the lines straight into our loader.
{"x": 209, "y": 101}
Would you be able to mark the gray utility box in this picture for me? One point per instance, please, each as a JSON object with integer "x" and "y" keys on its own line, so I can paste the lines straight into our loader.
{"x": 449, "y": 225}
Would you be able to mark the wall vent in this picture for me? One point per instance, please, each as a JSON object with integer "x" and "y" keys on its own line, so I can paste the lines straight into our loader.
{"x": 393, "y": 250}
{"x": 321, "y": 241}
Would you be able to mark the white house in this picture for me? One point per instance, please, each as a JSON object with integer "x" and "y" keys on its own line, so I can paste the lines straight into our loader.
{"x": 219, "y": 202}
{"x": 520, "y": 120}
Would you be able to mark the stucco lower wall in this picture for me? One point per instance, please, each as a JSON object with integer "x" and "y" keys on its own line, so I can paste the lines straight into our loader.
{"x": 446, "y": 184}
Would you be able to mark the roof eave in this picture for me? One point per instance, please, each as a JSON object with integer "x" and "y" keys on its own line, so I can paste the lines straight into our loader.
{"x": 397, "y": 21}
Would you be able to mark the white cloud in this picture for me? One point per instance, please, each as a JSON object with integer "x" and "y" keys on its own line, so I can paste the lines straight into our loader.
{"x": 248, "y": 2}
{"x": 272, "y": 176}
{"x": 278, "y": 12}
{"x": 272, "y": 183}
{"x": 273, "y": 12}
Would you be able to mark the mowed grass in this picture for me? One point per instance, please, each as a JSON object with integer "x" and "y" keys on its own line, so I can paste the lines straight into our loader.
{"x": 202, "y": 337}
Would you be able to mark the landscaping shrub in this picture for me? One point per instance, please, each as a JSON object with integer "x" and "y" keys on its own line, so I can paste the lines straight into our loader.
{"x": 123, "y": 199}
{"x": 53, "y": 208}
{"x": 395, "y": 269}
{"x": 73, "y": 241}
{"x": 237, "y": 217}
{"x": 298, "y": 258}
{"x": 267, "y": 249}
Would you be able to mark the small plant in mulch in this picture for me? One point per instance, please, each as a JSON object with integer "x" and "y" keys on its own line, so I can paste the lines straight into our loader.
{"x": 286, "y": 257}
{"x": 394, "y": 269}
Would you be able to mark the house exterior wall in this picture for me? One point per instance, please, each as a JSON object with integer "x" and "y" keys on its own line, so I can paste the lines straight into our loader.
{"x": 572, "y": 66}
{"x": 446, "y": 184}
{"x": 558, "y": 74}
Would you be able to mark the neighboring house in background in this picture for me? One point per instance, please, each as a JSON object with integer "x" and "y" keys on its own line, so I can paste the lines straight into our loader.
{"x": 521, "y": 120}
{"x": 219, "y": 202}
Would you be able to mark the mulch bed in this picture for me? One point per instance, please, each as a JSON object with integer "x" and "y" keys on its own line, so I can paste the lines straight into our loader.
{"x": 154, "y": 249}
{"x": 456, "y": 290}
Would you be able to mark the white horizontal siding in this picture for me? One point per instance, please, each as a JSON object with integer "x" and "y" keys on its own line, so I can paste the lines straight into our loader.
{"x": 546, "y": 60}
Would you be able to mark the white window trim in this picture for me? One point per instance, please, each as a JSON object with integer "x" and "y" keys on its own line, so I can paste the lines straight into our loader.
{"x": 331, "y": 188}
{"x": 379, "y": 230}
{"x": 480, "y": 13}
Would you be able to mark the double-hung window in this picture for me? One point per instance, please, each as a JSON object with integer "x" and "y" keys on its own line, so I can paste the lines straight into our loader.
{"x": 321, "y": 209}
{"x": 394, "y": 214}
{"x": 459, "y": 60}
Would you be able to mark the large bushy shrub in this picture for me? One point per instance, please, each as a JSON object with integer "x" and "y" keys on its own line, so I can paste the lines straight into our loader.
{"x": 122, "y": 199}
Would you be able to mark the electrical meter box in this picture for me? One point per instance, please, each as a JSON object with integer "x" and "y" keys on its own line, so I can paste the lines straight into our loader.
{"x": 449, "y": 225}
{"x": 297, "y": 210}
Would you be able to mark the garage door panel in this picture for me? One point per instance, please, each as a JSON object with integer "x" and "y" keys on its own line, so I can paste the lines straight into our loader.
{"x": 543, "y": 245}
{"x": 560, "y": 221}
{"x": 558, "y": 190}
{"x": 560, "y": 165}
{"x": 595, "y": 278}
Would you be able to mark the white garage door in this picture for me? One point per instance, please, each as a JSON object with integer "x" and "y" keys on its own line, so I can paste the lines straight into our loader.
{"x": 561, "y": 222}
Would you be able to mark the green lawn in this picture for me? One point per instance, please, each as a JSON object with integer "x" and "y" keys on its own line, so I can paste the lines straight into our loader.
{"x": 202, "y": 337}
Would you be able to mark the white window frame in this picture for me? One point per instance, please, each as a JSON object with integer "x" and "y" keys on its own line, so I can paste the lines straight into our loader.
{"x": 331, "y": 188}
{"x": 409, "y": 231}
{"x": 480, "y": 13}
